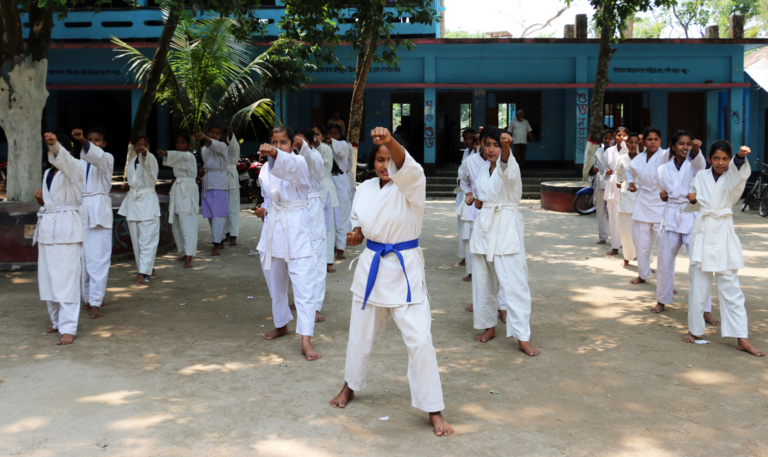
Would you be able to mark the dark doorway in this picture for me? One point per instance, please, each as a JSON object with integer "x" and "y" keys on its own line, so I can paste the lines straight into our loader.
{"x": 685, "y": 111}
{"x": 329, "y": 103}
{"x": 408, "y": 121}
{"x": 625, "y": 109}
{"x": 454, "y": 112}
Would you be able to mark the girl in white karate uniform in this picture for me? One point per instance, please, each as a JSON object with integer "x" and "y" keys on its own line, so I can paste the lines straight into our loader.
{"x": 498, "y": 245}
{"x": 643, "y": 178}
{"x": 389, "y": 278}
{"x": 232, "y": 224}
{"x": 675, "y": 181}
{"x": 463, "y": 226}
{"x": 328, "y": 195}
{"x": 215, "y": 185}
{"x": 286, "y": 249}
{"x": 185, "y": 198}
{"x": 599, "y": 170}
{"x": 98, "y": 167}
{"x": 341, "y": 154}
{"x": 626, "y": 198}
{"x": 611, "y": 193}
{"x": 302, "y": 141}
{"x": 715, "y": 247}
{"x": 59, "y": 235}
{"x": 141, "y": 207}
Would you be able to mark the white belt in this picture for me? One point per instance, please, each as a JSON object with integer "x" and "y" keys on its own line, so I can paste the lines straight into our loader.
{"x": 280, "y": 209}
{"x": 172, "y": 204}
{"x": 43, "y": 210}
{"x": 492, "y": 223}
{"x": 313, "y": 195}
{"x": 138, "y": 193}
{"x": 679, "y": 205}
{"x": 93, "y": 194}
{"x": 232, "y": 171}
{"x": 711, "y": 214}
{"x": 205, "y": 178}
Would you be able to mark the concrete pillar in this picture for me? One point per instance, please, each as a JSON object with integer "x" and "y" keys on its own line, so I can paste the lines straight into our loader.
{"x": 479, "y": 116}
{"x": 712, "y": 31}
{"x": 135, "y": 97}
{"x": 582, "y": 123}
{"x": 569, "y": 31}
{"x": 712, "y": 121}
{"x": 430, "y": 129}
{"x": 52, "y": 111}
{"x": 736, "y": 116}
{"x": 581, "y": 26}
{"x": 736, "y": 26}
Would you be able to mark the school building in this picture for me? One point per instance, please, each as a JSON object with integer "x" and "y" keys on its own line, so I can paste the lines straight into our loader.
{"x": 443, "y": 86}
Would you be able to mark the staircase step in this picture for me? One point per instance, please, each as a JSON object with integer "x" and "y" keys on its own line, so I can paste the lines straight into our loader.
{"x": 451, "y": 195}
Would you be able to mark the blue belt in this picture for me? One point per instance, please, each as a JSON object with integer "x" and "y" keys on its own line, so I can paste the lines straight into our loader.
{"x": 381, "y": 250}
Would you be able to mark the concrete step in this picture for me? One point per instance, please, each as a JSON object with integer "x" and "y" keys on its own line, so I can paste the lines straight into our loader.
{"x": 451, "y": 195}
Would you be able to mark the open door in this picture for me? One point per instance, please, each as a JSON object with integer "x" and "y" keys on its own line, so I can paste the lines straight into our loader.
{"x": 408, "y": 121}
{"x": 685, "y": 111}
{"x": 454, "y": 113}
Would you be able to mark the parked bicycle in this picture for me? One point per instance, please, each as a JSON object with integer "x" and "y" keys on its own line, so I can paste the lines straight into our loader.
{"x": 757, "y": 195}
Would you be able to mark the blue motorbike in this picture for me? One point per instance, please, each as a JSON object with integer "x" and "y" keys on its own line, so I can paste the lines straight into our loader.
{"x": 584, "y": 202}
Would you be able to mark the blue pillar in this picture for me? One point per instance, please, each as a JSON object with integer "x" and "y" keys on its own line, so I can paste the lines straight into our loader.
{"x": 52, "y": 111}
{"x": 747, "y": 116}
{"x": 135, "y": 97}
{"x": 430, "y": 127}
{"x": 479, "y": 107}
{"x": 712, "y": 120}
{"x": 736, "y": 116}
{"x": 582, "y": 123}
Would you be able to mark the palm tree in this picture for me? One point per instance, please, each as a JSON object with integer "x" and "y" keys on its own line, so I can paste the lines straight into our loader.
{"x": 209, "y": 76}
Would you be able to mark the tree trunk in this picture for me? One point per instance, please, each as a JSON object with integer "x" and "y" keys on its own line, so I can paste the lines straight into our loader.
{"x": 155, "y": 72}
{"x": 596, "y": 119}
{"x": 358, "y": 96}
{"x": 23, "y": 96}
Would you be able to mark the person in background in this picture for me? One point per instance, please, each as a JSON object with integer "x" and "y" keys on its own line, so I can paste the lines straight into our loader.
{"x": 336, "y": 119}
{"x": 521, "y": 132}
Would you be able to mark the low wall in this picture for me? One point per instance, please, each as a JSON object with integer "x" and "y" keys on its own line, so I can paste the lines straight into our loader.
{"x": 558, "y": 196}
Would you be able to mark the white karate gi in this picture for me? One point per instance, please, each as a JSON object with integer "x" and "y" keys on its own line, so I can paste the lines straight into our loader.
{"x": 59, "y": 235}
{"x": 648, "y": 206}
{"x": 716, "y": 250}
{"x": 601, "y": 207}
{"x": 215, "y": 160}
{"x": 394, "y": 214}
{"x": 232, "y": 224}
{"x": 498, "y": 249}
{"x": 460, "y": 202}
{"x": 315, "y": 166}
{"x": 185, "y": 200}
{"x": 286, "y": 248}
{"x": 341, "y": 153}
{"x": 97, "y": 167}
{"x": 141, "y": 209}
{"x": 626, "y": 207}
{"x": 676, "y": 224}
{"x": 350, "y": 172}
{"x": 330, "y": 200}
{"x": 611, "y": 195}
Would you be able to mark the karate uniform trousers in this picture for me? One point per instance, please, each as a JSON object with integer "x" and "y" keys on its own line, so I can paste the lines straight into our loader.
{"x": 462, "y": 250}
{"x": 465, "y": 234}
{"x": 415, "y": 323}
{"x": 601, "y": 212}
{"x": 145, "y": 235}
{"x": 643, "y": 234}
{"x": 59, "y": 270}
{"x": 302, "y": 273}
{"x": 625, "y": 233}
{"x": 491, "y": 292}
{"x": 321, "y": 259}
{"x": 330, "y": 231}
{"x": 668, "y": 246}
{"x": 185, "y": 233}
{"x": 97, "y": 249}
{"x": 613, "y": 220}
{"x": 232, "y": 225}
{"x": 732, "y": 310}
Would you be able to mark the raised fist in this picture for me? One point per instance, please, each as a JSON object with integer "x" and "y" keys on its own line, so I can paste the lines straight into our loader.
{"x": 744, "y": 151}
{"x": 267, "y": 150}
{"x": 380, "y": 135}
{"x": 161, "y": 153}
{"x": 77, "y": 135}
{"x": 200, "y": 135}
{"x": 506, "y": 139}
{"x": 50, "y": 138}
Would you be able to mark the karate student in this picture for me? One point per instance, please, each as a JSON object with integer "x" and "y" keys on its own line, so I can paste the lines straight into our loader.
{"x": 389, "y": 212}
{"x": 215, "y": 185}
{"x": 626, "y": 198}
{"x": 646, "y": 218}
{"x": 328, "y": 196}
{"x": 611, "y": 193}
{"x": 185, "y": 199}
{"x": 286, "y": 249}
{"x": 302, "y": 141}
{"x": 715, "y": 247}
{"x": 232, "y": 224}
{"x": 599, "y": 170}
{"x": 141, "y": 207}
{"x": 469, "y": 142}
{"x": 675, "y": 181}
{"x": 498, "y": 245}
{"x": 341, "y": 153}
{"x": 59, "y": 235}
{"x": 97, "y": 167}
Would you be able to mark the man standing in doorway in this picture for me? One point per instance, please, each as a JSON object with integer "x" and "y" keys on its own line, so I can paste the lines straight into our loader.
{"x": 521, "y": 133}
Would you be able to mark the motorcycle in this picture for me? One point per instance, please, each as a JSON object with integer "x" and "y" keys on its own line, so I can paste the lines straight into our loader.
{"x": 584, "y": 202}
{"x": 244, "y": 177}
{"x": 253, "y": 172}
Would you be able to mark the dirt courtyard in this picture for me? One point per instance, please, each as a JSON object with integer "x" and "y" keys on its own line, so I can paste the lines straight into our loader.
{"x": 155, "y": 378}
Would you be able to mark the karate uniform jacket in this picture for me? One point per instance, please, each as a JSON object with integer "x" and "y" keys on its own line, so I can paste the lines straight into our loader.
{"x": 315, "y": 167}
{"x": 60, "y": 220}
{"x": 185, "y": 198}
{"x": 469, "y": 172}
{"x": 644, "y": 173}
{"x": 341, "y": 153}
{"x": 611, "y": 159}
{"x": 626, "y": 199}
{"x": 677, "y": 184}
{"x": 328, "y": 189}
{"x": 215, "y": 161}
{"x": 233, "y": 155}
{"x": 97, "y": 167}
{"x": 141, "y": 203}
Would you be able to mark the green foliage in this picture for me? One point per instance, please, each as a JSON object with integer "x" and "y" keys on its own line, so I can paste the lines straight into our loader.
{"x": 463, "y": 34}
{"x": 210, "y": 75}
{"x": 650, "y": 27}
{"x": 689, "y": 18}
{"x": 615, "y": 14}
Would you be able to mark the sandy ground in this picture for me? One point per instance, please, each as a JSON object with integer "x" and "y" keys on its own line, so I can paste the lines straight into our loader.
{"x": 156, "y": 378}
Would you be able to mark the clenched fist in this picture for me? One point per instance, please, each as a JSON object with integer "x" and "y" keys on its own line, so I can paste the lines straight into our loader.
{"x": 380, "y": 135}
{"x": 50, "y": 138}
{"x": 355, "y": 237}
{"x": 77, "y": 135}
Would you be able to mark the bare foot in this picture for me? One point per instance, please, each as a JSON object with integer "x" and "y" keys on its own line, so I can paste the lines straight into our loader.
{"x": 746, "y": 346}
{"x": 689, "y": 338}
{"x": 154, "y": 272}
{"x": 503, "y": 315}
{"x": 216, "y": 250}
{"x": 625, "y": 263}
{"x": 141, "y": 280}
{"x": 468, "y": 278}
{"x": 331, "y": 269}
{"x": 96, "y": 312}
{"x": 470, "y": 308}
{"x": 612, "y": 252}
{"x": 487, "y": 335}
{"x": 659, "y": 308}
{"x": 66, "y": 339}
{"x": 340, "y": 254}
{"x": 51, "y": 330}
{"x": 232, "y": 242}
{"x": 292, "y": 306}
{"x": 188, "y": 262}
{"x": 86, "y": 307}
{"x": 182, "y": 258}
{"x": 710, "y": 320}
{"x": 442, "y": 428}
{"x": 307, "y": 350}
{"x": 674, "y": 292}
{"x": 319, "y": 317}
{"x": 463, "y": 263}
{"x": 601, "y": 242}
{"x": 276, "y": 333}
{"x": 528, "y": 349}
{"x": 637, "y": 281}
{"x": 345, "y": 396}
